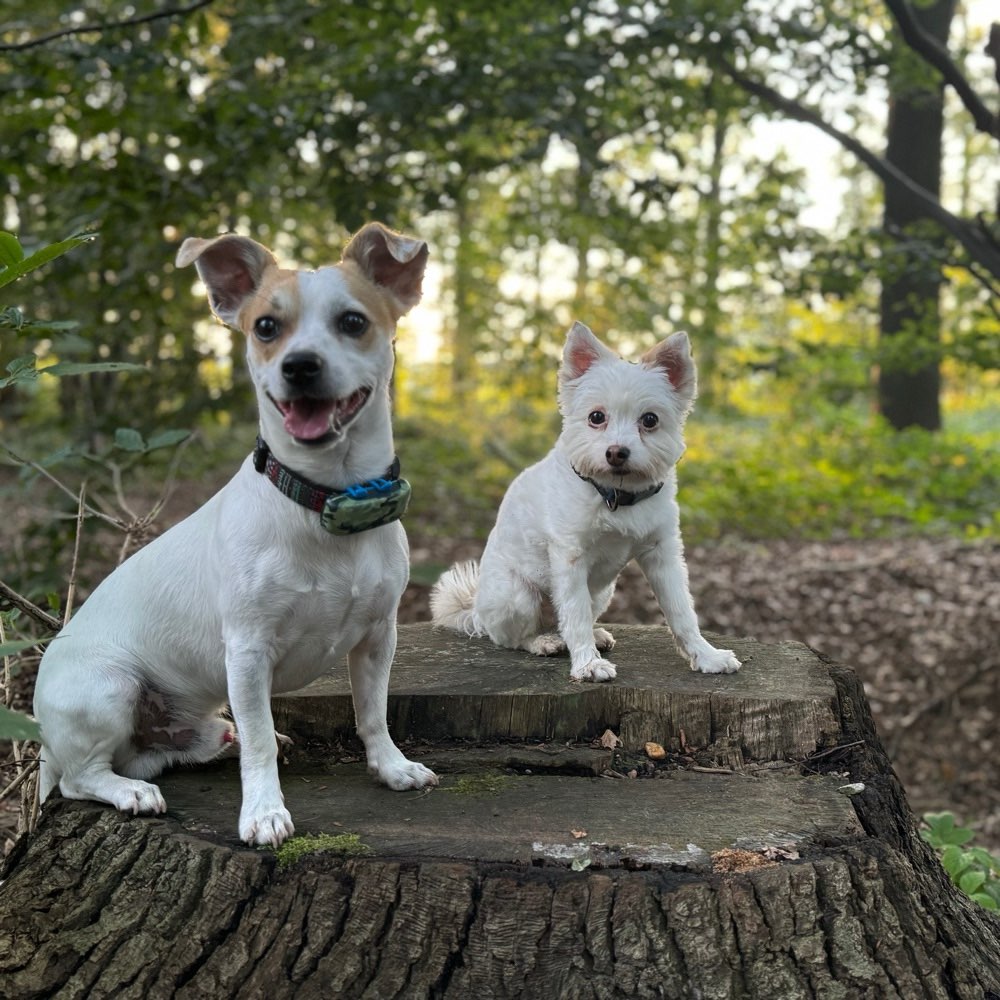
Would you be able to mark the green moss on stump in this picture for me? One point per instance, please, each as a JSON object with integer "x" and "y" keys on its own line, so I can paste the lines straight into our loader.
{"x": 348, "y": 844}
{"x": 479, "y": 784}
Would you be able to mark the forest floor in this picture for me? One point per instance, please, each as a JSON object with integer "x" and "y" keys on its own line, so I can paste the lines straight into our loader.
{"x": 917, "y": 618}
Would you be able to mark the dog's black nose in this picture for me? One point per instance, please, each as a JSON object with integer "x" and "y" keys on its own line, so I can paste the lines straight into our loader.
{"x": 301, "y": 368}
{"x": 617, "y": 455}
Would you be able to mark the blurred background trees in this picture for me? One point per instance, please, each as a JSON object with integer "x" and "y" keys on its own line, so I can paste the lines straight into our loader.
{"x": 633, "y": 166}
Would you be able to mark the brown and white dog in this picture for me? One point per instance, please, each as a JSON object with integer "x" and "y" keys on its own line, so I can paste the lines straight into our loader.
{"x": 279, "y": 576}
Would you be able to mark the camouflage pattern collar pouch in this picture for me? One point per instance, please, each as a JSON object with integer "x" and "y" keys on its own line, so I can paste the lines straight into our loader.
{"x": 360, "y": 507}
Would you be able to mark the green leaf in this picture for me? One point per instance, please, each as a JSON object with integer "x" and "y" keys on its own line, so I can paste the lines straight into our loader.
{"x": 22, "y": 369}
{"x": 17, "y": 646}
{"x": 129, "y": 440}
{"x": 16, "y": 266}
{"x": 971, "y": 882}
{"x": 15, "y": 726}
{"x": 11, "y": 251}
{"x": 944, "y": 830}
{"x": 953, "y": 860}
{"x": 167, "y": 439}
{"x": 85, "y": 368}
{"x": 986, "y": 902}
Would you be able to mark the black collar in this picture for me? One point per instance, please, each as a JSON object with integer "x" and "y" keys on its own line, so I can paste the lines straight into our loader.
{"x": 615, "y": 498}
{"x": 307, "y": 493}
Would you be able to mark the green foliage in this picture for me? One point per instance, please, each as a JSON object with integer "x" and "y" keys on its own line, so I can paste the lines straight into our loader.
{"x": 25, "y": 369}
{"x": 345, "y": 844}
{"x": 15, "y": 263}
{"x": 17, "y": 726}
{"x": 22, "y": 373}
{"x": 974, "y": 870}
{"x": 565, "y": 160}
{"x": 838, "y": 473}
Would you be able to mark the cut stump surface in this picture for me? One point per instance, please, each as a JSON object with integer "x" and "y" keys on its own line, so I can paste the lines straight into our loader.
{"x": 740, "y": 865}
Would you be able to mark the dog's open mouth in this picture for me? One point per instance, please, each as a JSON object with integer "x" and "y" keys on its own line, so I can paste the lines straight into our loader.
{"x": 313, "y": 421}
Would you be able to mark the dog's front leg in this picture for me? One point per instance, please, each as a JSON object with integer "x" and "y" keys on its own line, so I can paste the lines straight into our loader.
{"x": 664, "y": 567}
{"x": 369, "y": 663}
{"x": 575, "y": 611}
{"x": 263, "y": 816}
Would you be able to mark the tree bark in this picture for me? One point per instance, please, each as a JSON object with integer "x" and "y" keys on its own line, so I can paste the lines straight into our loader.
{"x": 97, "y": 904}
{"x": 909, "y": 380}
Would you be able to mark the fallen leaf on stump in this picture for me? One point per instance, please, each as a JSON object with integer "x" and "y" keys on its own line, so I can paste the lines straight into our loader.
{"x": 609, "y": 741}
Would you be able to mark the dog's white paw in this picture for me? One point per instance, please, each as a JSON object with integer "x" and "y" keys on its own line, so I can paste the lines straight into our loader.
{"x": 269, "y": 827}
{"x": 603, "y": 639}
{"x": 138, "y": 797}
{"x": 715, "y": 661}
{"x": 406, "y": 774}
{"x": 596, "y": 670}
{"x": 546, "y": 644}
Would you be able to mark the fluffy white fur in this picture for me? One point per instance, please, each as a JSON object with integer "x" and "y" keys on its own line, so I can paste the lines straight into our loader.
{"x": 249, "y": 594}
{"x": 556, "y": 537}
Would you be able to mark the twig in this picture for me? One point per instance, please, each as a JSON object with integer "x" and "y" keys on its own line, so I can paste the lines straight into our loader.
{"x": 71, "y": 587}
{"x": 8, "y": 596}
{"x": 114, "y": 521}
{"x": 806, "y": 761}
{"x": 170, "y": 484}
{"x": 27, "y": 817}
{"x": 86, "y": 29}
{"x": 26, "y": 768}
{"x": 116, "y": 479}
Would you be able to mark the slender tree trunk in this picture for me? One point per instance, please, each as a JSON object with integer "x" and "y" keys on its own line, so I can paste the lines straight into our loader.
{"x": 708, "y": 337}
{"x": 462, "y": 334}
{"x": 909, "y": 381}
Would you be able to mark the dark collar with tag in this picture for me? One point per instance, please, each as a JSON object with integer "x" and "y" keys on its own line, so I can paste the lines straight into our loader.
{"x": 361, "y": 507}
{"x": 615, "y": 498}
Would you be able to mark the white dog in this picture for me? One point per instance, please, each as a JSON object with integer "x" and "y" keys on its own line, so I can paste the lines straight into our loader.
{"x": 297, "y": 561}
{"x": 570, "y": 524}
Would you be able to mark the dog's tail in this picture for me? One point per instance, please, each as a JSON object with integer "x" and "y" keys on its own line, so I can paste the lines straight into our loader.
{"x": 453, "y": 597}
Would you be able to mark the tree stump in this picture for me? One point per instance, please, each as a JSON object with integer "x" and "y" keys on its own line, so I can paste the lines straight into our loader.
{"x": 769, "y": 853}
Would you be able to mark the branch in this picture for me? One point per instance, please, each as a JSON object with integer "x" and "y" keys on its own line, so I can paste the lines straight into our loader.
{"x": 100, "y": 28}
{"x": 936, "y": 55}
{"x": 973, "y": 237}
{"x": 11, "y": 598}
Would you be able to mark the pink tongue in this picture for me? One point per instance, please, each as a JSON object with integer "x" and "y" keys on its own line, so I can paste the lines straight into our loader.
{"x": 307, "y": 419}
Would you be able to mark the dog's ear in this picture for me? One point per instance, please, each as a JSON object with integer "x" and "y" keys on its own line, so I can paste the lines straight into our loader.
{"x": 673, "y": 355}
{"x": 391, "y": 260}
{"x": 582, "y": 350}
{"x": 232, "y": 268}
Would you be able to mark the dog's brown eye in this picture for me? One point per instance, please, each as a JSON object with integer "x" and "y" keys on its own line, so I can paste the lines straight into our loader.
{"x": 649, "y": 420}
{"x": 266, "y": 328}
{"x": 596, "y": 418}
{"x": 352, "y": 323}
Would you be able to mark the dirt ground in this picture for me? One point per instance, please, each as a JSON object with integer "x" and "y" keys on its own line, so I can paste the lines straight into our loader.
{"x": 918, "y": 619}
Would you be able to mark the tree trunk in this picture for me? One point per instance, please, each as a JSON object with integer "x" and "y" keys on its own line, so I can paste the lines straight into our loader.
{"x": 706, "y": 300}
{"x": 909, "y": 382}
{"x": 463, "y": 334}
{"x": 734, "y": 867}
